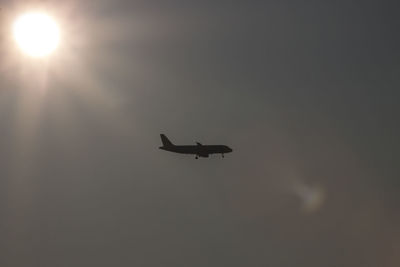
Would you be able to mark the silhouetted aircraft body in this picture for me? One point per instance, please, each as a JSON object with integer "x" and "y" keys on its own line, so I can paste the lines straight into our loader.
{"x": 199, "y": 150}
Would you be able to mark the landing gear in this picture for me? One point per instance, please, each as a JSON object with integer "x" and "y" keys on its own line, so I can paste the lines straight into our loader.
{"x": 223, "y": 155}
{"x": 196, "y": 157}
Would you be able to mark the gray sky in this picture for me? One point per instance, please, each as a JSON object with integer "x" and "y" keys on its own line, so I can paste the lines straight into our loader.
{"x": 305, "y": 93}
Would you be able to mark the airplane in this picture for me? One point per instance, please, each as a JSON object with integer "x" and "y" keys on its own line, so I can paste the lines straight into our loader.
{"x": 199, "y": 150}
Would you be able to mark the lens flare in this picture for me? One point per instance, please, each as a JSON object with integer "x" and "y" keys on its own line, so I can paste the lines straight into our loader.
{"x": 312, "y": 197}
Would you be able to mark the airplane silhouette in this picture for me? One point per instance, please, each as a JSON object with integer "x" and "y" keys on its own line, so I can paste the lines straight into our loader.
{"x": 199, "y": 150}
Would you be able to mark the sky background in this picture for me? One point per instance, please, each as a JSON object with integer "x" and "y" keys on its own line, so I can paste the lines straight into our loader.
{"x": 306, "y": 94}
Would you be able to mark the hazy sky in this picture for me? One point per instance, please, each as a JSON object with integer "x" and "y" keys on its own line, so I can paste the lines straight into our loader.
{"x": 306, "y": 94}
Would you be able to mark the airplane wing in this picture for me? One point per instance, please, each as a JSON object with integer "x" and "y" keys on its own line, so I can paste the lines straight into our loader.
{"x": 204, "y": 155}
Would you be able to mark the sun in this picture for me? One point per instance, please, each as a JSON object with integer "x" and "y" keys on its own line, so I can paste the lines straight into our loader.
{"x": 37, "y": 34}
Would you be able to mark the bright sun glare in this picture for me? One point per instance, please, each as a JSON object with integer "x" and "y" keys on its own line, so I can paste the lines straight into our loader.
{"x": 37, "y": 34}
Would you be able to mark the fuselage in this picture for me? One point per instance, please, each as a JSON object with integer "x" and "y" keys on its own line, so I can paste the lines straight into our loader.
{"x": 199, "y": 150}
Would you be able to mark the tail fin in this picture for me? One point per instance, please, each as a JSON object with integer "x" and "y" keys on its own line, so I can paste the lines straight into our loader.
{"x": 165, "y": 141}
